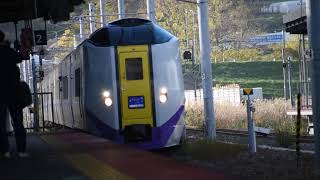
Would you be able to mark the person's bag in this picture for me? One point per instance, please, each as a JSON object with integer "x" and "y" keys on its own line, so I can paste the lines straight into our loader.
{"x": 24, "y": 97}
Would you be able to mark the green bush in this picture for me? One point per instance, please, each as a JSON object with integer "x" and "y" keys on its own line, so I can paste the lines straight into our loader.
{"x": 210, "y": 150}
{"x": 284, "y": 139}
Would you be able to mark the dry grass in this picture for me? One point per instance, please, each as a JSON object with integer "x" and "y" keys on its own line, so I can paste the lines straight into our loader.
{"x": 194, "y": 114}
{"x": 230, "y": 116}
{"x": 269, "y": 114}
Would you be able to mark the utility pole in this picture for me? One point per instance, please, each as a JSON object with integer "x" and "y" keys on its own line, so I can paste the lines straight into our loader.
{"x": 313, "y": 24}
{"x": 151, "y": 10}
{"x": 206, "y": 69}
{"x": 92, "y": 18}
{"x": 103, "y": 16}
{"x": 121, "y": 9}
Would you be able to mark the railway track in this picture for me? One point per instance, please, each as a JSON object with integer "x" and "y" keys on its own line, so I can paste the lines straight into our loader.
{"x": 242, "y": 133}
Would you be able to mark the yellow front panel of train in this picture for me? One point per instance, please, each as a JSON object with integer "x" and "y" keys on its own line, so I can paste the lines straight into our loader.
{"x": 135, "y": 85}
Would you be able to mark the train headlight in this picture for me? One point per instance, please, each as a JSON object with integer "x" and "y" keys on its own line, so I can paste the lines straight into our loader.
{"x": 163, "y": 98}
{"x": 108, "y": 101}
{"x": 163, "y": 90}
{"x": 163, "y": 95}
{"x": 106, "y": 94}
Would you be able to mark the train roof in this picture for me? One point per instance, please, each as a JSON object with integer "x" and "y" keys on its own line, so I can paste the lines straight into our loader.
{"x": 130, "y": 31}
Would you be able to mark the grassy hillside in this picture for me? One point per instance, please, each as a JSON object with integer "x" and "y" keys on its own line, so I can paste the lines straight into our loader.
{"x": 267, "y": 75}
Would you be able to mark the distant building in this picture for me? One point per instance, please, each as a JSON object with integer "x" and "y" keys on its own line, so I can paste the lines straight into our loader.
{"x": 282, "y": 7}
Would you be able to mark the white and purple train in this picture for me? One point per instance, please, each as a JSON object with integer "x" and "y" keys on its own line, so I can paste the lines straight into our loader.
{"x": 123, "y": 83}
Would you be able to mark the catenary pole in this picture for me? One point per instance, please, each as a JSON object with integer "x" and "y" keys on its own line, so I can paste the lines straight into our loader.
{"x": 194, "y": 38}
{"x": 82, "y": 27}
{"x": 290, "y": 80}
{"x": 75, "y": 41}
{"x": 151, "y": 10}
{"x": 103, "y": 17}
{"x": 284, "y": 65}
{"x": 121, "y": 9}
{"x": 92, "y": 14}
{"x": 313, "y": 24}
{"x": 206, "y": 69}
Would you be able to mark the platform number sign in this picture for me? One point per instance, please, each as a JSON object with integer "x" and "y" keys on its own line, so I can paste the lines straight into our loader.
{"x": 40, "y": 37}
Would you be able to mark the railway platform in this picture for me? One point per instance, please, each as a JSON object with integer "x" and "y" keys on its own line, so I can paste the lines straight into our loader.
{"x": 74, "y": 155}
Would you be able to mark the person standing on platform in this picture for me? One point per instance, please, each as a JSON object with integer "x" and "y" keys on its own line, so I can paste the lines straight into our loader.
{"x": 9, "y": 94}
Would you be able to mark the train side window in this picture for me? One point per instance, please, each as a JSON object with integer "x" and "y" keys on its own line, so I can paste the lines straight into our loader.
{"x": 134, "y": 70}
{"x": 77, "y": 74}
{"x": 65, "y": 87}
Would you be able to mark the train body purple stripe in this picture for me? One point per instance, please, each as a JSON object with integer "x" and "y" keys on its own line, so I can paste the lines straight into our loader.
{"x": 160, "y": 135}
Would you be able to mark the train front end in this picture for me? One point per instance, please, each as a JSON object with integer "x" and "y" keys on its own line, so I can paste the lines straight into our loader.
{"x": 134, "y": 90}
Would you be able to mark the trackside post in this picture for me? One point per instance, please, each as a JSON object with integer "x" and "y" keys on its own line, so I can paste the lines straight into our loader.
{"x": 251, "y": 132}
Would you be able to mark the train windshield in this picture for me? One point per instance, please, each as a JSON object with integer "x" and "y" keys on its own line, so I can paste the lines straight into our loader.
{"x": 134, "y": 69}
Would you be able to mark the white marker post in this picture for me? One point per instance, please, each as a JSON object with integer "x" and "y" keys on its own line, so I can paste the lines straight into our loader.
{"x": 251, "y": 132}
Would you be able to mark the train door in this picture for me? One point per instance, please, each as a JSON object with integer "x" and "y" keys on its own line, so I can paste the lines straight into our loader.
{"x": 66, "y": 99}
{"x": 75, "y": 92}
{"x": 57, "y": 102}
{"x": 135, "y": 86}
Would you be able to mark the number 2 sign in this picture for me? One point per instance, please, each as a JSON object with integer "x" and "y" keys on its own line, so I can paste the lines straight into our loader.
{"x": 40, "y": 37}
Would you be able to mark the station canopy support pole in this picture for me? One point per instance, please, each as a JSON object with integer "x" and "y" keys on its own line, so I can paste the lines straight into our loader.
{"x": 313, "y": 24}
{"x": 35, "y": 97}
{"x": 206, "y": 69}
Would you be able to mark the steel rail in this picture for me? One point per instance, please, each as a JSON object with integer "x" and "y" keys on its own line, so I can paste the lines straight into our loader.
{"x": 244, "y": 133}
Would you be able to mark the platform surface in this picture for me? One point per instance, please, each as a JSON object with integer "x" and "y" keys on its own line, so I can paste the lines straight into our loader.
{"x": 79, "y": 156}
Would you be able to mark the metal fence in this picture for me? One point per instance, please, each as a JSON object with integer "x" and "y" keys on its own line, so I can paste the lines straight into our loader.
{"x": 41, "y": 119}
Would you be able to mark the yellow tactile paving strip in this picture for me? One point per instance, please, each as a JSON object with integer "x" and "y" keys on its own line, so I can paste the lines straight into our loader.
{"x": 95, "y": 169}
{"x": 88, "y": 165}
